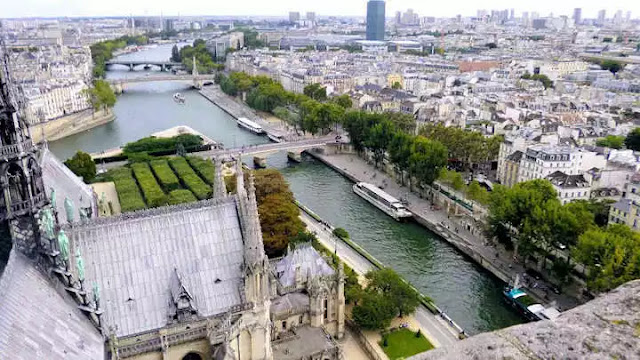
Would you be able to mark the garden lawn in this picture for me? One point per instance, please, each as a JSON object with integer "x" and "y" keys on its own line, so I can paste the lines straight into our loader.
{"x": 204, "y": 168}
{"x": 152, "y": 192}
{"x": 128, "y": 192}
{"x": 403, "y": 343}
{"x": 167, "y": 179}
{"x": 190, "y": 179}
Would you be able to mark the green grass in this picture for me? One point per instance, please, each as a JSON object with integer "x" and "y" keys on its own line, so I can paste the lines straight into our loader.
{"x": 181, "y": 196}
{"x": 151, "y": 190}
{"x": 128, "y": 191}
{"x": 403, "y": 343}
{"x": 167, "y": 179}
{"x": 190, "y": 179}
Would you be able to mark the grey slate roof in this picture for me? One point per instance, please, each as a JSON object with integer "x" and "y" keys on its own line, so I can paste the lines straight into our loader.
{"x": 132, "y": 258}
{"x": 38, "y": 322}
{"x": 56, "y": 175}
{"x": 309, "y": 262}
{"x": 293, "y": 303}
{"x": 560, "y": 179}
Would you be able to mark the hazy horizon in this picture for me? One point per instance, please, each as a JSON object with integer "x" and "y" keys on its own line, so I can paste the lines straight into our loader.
{"x": 281, "y": 8}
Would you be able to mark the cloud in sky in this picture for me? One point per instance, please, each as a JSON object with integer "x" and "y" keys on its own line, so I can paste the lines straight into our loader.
{"x": 46, "y": 8}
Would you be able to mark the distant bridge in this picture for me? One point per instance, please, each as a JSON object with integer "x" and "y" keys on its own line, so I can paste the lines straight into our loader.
{"x": 198, "y": 81}
{"x": 132, "y": 64}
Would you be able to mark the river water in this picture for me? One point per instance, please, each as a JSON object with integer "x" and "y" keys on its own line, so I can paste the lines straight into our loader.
{"x": 470, "y": 295}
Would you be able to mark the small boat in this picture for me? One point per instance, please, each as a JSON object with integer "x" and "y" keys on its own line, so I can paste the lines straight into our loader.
{"x": 179, "y": 98}
{"x": 250, "y": 125}
{"x": 383, "y": 201}
{"x": 526, "y": 305}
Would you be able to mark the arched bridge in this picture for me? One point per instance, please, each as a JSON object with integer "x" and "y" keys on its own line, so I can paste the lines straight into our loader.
{"x": 268, "y": 148}
{"x": 132, "y": 64}
{"x": 198, "y": 81}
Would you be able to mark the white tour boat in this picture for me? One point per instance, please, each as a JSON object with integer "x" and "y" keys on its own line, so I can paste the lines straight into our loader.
{"x": 383, "y": 201}
{"x": 250, "y": 125}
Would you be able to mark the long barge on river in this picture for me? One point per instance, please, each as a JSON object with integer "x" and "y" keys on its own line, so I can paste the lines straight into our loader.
{"x": 383, "y": 201}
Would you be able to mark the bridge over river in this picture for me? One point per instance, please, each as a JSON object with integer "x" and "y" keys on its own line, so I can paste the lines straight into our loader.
{"x": 132, "y": 64}
{"x": 264, "y": 149}
{"x": 198, "y": 81}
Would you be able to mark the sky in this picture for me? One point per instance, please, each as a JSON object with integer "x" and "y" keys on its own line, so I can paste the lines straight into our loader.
{"x": 74, "y": 8}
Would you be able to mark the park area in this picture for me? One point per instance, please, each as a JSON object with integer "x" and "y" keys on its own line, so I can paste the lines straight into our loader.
{"x": 160, "y": 182}
{"x": 403, "y": 343}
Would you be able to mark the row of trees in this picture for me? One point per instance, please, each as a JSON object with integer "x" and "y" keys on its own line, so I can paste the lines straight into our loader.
{"x": 544, "y": 79}
{"x": 631, "y": 141}
{"x": 204, "y": 59}
{"x": 309, "y": 112}
{"x": 466, "y": 147}
{"x": 530, "y": 218}
{"x": 102, "y": 51}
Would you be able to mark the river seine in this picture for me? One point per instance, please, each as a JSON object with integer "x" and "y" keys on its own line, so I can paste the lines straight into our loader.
{"x": 470, "y": 295}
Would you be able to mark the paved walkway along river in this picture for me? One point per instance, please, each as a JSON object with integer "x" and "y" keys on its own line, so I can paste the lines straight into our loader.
{"x": 502, "y": 264}
{"x": 433, "y": 326}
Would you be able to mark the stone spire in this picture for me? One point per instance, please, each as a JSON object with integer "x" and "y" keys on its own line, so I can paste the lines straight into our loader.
{"x": 254, "y": 249}
{"x": 219, "y": 188}
{"x": 22, "y": 192}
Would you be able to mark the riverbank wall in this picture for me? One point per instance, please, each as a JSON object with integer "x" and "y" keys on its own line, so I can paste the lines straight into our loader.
{"x": 70, "y": 125}
{"x": 447, "y": 234}
{"x": 425, "y": 300}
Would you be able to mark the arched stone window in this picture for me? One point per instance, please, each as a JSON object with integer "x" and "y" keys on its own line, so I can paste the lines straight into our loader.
{"x": 192, "y": 356}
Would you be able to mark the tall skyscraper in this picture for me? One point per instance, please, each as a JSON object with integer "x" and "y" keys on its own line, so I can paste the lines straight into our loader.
{"x": 602, "y": 15}
{"x": 375, "y": 20}
{"x": 311, "y": 16}
{"x": 577, "y": 15}
{"x": 294, "y": 16}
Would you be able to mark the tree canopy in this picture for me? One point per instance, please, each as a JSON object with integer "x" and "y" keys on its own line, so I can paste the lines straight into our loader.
{"x": 611, "y": 141}
{"x": 316, "y": 92}
{"x": 101, "y": 96}
{"x": 611, "y": 255}
{"x": 611, "y": 65}
{"x": 632, "y": 141}
{"x": 279, "y": 216}
{"x": 82, "y": 165}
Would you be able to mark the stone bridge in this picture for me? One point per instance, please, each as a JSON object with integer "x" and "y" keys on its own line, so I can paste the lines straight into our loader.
{"x": 132, "y": 64}
{"x": 198, "y": 81}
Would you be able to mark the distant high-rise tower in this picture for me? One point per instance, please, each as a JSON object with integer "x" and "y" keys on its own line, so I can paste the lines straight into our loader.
{"x": 602, "y": 16}
{"x": 375, "y": 20}
{"x": 311, "y": 16}
{"x": 577, "y": 15}
{"x": 294, "y": 17}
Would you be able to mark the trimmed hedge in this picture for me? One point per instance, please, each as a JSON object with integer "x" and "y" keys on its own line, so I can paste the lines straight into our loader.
{"x": 152, "y": 192}
{"x": 128, "y": 191}
{"x": 204, "y": 168}
{"x": 167, "y": 179}
{"x": 151, "y": 144}
{"x": 181, "y": 196}
{"x": 190, "y": 179}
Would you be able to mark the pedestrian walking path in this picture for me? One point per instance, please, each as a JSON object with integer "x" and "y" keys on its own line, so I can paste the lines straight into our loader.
{"x": 434, "y": 327}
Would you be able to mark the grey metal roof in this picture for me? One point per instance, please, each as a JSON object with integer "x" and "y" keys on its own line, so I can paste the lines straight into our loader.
{"x": 56, "y": 175}
{"x": 290, "y": 303}
{"x": 307, "y": 260}
{"x": 39, "y": 322}
{"x": 133, "y": 259}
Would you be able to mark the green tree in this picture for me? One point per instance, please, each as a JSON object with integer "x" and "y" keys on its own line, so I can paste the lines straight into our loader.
{"x": 82, "y": 165}
{"x": 611, "y": 65}
{"x": 341, "y": 233}
{"x": 390, "y": 285}
{"x": 399, "y": 151}
{"x": 379, "y": 139}
{"x": 343, "y": 101}
{"x": 396, "y": 85}
{"x": 632, "y": 140}
{"x": 356, "y": 125}
{"x": 611, "y": 255}
{"x": 477, "y": 193}
{"x": 611, "y": 141}
{"x": 175, "y": 54}
{"x": 101, "y": 96}
{"x": 373, "y": 312}
{"x": 401, "y": 121}
{"x": 316, "y": 92}
{"x": 426, "y": 160}
{"x": 279, "y": 216}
